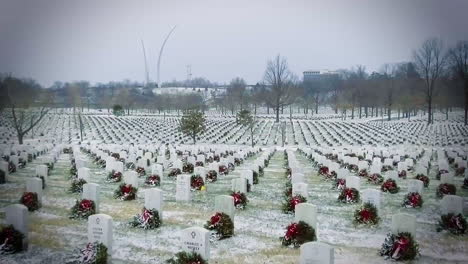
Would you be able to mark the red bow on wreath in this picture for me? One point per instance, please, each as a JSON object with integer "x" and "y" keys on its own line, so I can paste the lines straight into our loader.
{"x": 292, "y": 231}
{"x": 215, "y": 219}
{"x": 365, "y": 215}
{"x": 85, "y": 205}
{"x": 401, "y": 245}
{"x": 126, "y": 188}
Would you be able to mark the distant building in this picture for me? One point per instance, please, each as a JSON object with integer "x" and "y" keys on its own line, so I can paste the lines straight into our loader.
{"x": 318, "y": 75}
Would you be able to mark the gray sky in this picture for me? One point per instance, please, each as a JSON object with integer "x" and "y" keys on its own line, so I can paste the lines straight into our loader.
{"x": 99, "y": 41}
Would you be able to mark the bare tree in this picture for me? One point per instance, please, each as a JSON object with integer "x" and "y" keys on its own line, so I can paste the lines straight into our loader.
{"x": 458, "y": 59}
{"x": 430, "y": 61}
{"x": 281, "y": 84}
{"x": 28, "y": 104}
{"x": 236, "y": 90}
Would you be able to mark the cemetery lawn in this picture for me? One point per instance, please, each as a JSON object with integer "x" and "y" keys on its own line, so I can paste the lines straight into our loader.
{"x": 54, "y": 237}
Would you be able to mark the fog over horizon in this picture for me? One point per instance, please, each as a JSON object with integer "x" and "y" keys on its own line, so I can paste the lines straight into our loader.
{"x": 100, "y": 41}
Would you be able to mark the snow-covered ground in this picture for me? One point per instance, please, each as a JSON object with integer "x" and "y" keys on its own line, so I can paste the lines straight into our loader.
{"x": 54, "y": 237}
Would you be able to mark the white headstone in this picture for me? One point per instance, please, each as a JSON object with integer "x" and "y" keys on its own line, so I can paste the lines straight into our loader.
{"x": 17, "y": 216}
{"x": 300, "y": 188}
{"x": 415, "y": 186}
{"x": 196, "y": 239}
{"x": 452, "y": 204}
{"x": 41, "y": 170}
{"x": 91, "y": 192}
{"x": 446, "y": 178}
{"x": 225, "y": 204}
{"x": 248, "y": 175}
{"x": 239, "y": 185}
{"x": 391, "y": 175}
{"x": 371, "y": 196}
{"x": 34, "y": 184}
{"x": 353, "y": 182}
{"x": 297, "y": 177}
{"x": 308, "y": 213}
{"x": 100, "y": 230}
{"x": 183, "y": 188}
{"x": 404, "y": 223}
{"x": 154, "y": 200}
{"x": 317, "y": 253}
{"x": 84, "y": 173}
{"x": 131, "y": 177}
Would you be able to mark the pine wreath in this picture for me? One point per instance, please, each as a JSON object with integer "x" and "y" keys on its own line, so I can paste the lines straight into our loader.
{"x": 187, "y": 258}
{"x": 339, "y": 184}
{"x": 83, "y": 209}
{"x": 445, "y": 189}
{"x": 211, "y": 176}
{"x": 147, "y": 219}
{"x": 402, "y": 174}
{"x": 367, "y": 214}
{"x": 174, "y": 172}
{"x": 223, "y": 170}
{"x": 390, "y": 186}
{"x": 455, "y": 224}
{"x": 153, "y": 180}
{"x": 196, "y": 182}
{"x": 240, "y": 200}
{"x": 30, "y": 200}
{"x": 125, "y": 192}
{"x": 424, "y": 179}
{"x": 187, "y": 168}
{"x": 288, "y": 190}
{"x": 222, "y": 224}
{"x": 413, "y": 200}
{"x": 77, "y": 185}
{"x": 11, "y": 240}
{"x": 375, "y": 178}
{"x": 93, "y": 253}
{"x": 290, "y": 203}
{"x": 400, "y": 247}
{"x": 141, "y": 171}
{"x": 114, "y": 176}
{"x": 349, "y": 195}
{"x": 298, "y": 234}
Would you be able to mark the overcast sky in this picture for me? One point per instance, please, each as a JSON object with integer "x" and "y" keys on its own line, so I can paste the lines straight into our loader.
{"x": 99, "y": 41}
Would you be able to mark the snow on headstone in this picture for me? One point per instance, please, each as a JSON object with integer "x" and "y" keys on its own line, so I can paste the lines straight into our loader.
{"x": 17, "y": 216}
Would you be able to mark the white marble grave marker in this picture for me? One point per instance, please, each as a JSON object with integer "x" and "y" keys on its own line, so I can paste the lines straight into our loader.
{"x": 91, "y": 192}
{"x": 100, "y": 230}
{"x": 317, "y": 253}
{"x": 196, "y": 239}
{"x": 183, "y": 188}
{"x": 404, "y": 223}
{"x": 154, "y": 200}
